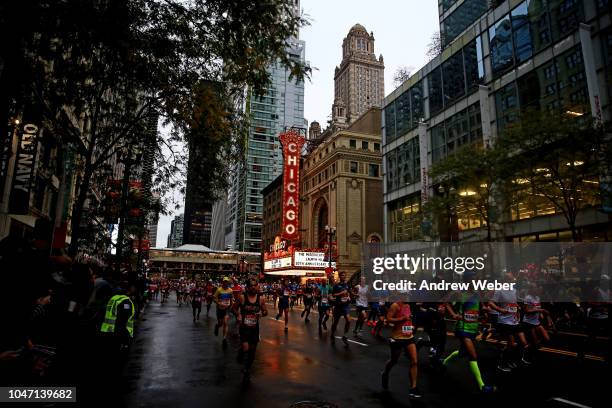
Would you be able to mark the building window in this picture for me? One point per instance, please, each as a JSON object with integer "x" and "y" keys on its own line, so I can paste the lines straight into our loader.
{"x": 365, "y": 145}
{"x": 500, "y": 39}
{"x": 402, "y": 111}
{"x": 353, "y": 143}
{"x": 506, "y": 102}
{"x": 474, "y": 65}
{"x": 373, "y": 170}
{"x": 354, "y": 167}
{"x": 523, "y": 45}
{"x": 434, "y": 83}
{"x": 405, "y": 219}
{"x": 403, "y": 165}
{"x": 377, "y": 147}
{"x": 390, "y": 134}
{"x": 453, "y": 78}
{"x": 462, "y": 128}
{"x": 462, "y": 18}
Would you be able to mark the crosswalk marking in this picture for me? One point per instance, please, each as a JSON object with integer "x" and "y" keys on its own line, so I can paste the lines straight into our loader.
{"x": 568, "y": 402}
{"x": 353, "y": 341}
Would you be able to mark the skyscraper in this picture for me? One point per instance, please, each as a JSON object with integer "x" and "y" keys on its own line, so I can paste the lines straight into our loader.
{"x": 175, "y": 238}
{"x": 359, "y": 81}
{"x": 281, "y": 107}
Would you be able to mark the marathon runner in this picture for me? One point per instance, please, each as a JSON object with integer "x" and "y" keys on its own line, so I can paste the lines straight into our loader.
{"x": 197, "y": 294}
{"x": 284, "y": 293}
{"x": 342, "y": 297}
{"x": 323, "y": 293}
{"x": 223, "y": 300}
{"x": 531, "y": 324}
{"x": 308, "y": 294}
{"x": 466, "y": 328}
{"x": 506, "y": 303}
{"x": 382, "y": 308}
{"x": 361, "y": 291}
{"x": 402, "y": 339}
{"x": 210, "y": 291}
{"x": 249, "y": 308}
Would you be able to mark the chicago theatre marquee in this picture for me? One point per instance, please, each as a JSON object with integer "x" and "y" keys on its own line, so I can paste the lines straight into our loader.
{"x": 285, "y": 256}
{"x": 335, "y": 197}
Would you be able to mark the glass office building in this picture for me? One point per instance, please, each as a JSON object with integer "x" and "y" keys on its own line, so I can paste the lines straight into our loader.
{"x": 281, "y": 107}
{"x": 500, "y": 58}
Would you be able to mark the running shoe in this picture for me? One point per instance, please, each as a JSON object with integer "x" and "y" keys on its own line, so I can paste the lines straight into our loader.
{"x": 415, "y": 393}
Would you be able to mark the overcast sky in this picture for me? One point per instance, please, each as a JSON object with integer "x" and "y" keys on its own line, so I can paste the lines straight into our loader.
{"x": 402, "y": 29}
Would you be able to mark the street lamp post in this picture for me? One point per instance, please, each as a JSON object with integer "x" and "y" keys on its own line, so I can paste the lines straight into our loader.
{"x": 330, "y": 231}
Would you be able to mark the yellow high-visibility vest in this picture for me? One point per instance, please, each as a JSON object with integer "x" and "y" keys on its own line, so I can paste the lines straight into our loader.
{"x": 110, "y": 318}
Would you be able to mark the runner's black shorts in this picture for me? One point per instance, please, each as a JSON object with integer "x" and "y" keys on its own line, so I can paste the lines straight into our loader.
{"x": 526, "y": 327}
{"x": 249, "y": 335}
{"x": 283, "y": 303}
{"x": 341, "y": 310}
{"x": 400, "y": 344}
{"x": 307, "y": 301}
{"x": 221, "y": 313}
{"x": 508, "y": 329}
{"x": 361, "y": 309}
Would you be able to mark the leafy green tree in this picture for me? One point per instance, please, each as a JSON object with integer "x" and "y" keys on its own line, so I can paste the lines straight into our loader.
{"x": 473, "y": 178}
{"x": 99, "y": 69}
{"x": 558, "y": 158}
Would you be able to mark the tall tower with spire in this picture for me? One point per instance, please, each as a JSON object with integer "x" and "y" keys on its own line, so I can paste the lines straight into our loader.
{"x": 359, "y": 80}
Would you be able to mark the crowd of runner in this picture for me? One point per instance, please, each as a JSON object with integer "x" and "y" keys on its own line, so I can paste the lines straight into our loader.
{"x": 520, "y": 326}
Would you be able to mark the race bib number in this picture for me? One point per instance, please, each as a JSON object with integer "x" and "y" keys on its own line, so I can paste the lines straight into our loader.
{"x": 513, "y": 308}
{"x": 286, "y": 293}
{"x": 345, "y": 299}
{"x": 250, "y": 320}
{"x": 324, "y": 301}
{"x": 470, "y": 316}
{"x": 225, "y": 302}
{"x": 407, "y": 330}
{"x": 381, "y": 303}
{"x": 308, "y": 296}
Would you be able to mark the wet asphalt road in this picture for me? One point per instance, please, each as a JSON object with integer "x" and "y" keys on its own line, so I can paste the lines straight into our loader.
{"x": 175, "y": 362}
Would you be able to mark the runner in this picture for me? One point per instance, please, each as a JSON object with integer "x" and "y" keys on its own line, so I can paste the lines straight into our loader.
{"x": 197, "y": 294}
{"x": 307, "y": 293}
{"x": 382, "y": 308}
{"x": 284, "y": 293}
{"x": 402, "y": 339}
{"x": 210, "y": 290}
{"x": 340, "y": 292}
{"x": 532, "y": 310}
{"x": 466, "y": 329}
{"x": 323, "y": 294}
{"x": 223, "y": 301}
{"x": 361, "y": 291}
{"x": 505, "y": 302}
{"x": 249, "y": 308}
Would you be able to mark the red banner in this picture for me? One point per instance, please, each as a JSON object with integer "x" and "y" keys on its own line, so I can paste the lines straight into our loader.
{"x": 292, "y": 146}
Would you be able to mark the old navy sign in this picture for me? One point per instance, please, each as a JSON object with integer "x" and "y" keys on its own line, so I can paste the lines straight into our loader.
{"x": 24, "y": 169}
{"x": 292, "y": 144}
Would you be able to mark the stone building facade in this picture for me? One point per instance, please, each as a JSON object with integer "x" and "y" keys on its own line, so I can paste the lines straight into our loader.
{"x": 359, "y": 80}
{"x": 341, "y": 186}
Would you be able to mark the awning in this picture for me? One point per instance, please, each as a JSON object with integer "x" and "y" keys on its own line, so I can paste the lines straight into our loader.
{"x": 297, "y": 272}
